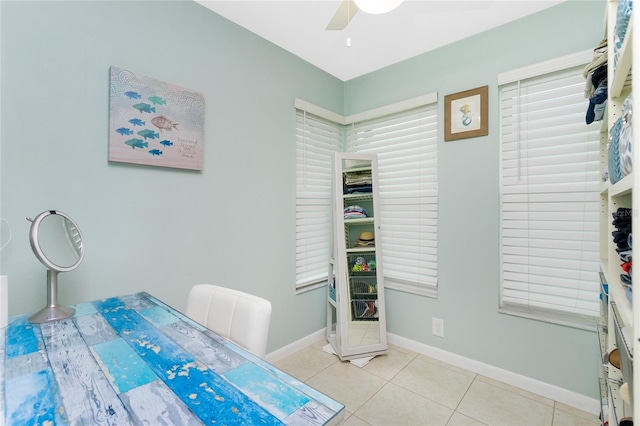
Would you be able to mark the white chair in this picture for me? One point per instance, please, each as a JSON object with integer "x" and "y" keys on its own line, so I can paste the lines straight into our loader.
{"x": 240, "y": 317}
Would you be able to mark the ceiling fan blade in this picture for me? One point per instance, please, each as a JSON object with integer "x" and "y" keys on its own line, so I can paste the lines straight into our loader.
{"x": 343, "y": 15}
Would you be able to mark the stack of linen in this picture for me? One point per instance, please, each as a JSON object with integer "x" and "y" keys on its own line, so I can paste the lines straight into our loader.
{"x": 355, "y": 212}
{"x": 356, "y": 182}
{"x": 622, "y": 238}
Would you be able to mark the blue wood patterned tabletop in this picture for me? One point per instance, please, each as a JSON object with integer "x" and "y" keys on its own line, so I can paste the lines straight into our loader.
{"x": 134, "y": 360}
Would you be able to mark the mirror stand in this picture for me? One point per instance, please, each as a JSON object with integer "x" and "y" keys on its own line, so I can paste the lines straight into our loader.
{"x": 53, "y": 311}
{"x": 57, "y": 242}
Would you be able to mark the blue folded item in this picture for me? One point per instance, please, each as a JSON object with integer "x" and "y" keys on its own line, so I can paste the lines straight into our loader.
{"x": 355, "y": 212}
{"x": 615, "y": 172}
{"x": 626, "y": 256}
{"x": 623, "y": 14}
{"x": 625, "y": 143}
{"x": 358, "y": 189}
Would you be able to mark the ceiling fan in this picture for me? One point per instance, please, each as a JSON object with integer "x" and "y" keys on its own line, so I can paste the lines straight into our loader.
{"x": 348, "y": 8}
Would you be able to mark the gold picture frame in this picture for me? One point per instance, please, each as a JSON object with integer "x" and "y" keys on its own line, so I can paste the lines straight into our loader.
{"x": 466, "y": 114}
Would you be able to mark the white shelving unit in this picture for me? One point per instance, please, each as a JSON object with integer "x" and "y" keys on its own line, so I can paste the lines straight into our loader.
{"x": 356, "y": 323}
{"x": 619, "y": 326}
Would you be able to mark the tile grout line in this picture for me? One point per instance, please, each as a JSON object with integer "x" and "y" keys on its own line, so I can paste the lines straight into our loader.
{"x": 412, "y": 357}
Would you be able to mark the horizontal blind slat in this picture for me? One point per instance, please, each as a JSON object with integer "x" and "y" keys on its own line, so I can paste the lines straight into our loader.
{"x": 550, "y": 197}
{"x": 406, "y": 145}
{"x": 316, "y": 141}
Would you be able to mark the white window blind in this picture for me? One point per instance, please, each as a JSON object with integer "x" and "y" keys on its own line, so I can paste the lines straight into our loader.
{"x": 406, "y": 145}
{"x": 316, "y": 140}
{"x": 550, "y": 200}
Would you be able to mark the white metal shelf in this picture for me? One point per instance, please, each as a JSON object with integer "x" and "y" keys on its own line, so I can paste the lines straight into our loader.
{"x": 622, "y": 187}
{"x": 622, "y": 317}
{"x": 361, "y": 250}
{"x": 359, "y": 221}
{"x": 623, "y": 65}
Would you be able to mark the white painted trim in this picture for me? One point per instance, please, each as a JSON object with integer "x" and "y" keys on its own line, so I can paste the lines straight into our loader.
{"x": 564, "y": 62}
{"x": 393, "y": 108}
{"x": 573, "y": 399}
{"x": 366, "y": 115}
{"x": 545, "y": 390}
{"x": 290, "y": 349}
{"x": 319, "y": 111}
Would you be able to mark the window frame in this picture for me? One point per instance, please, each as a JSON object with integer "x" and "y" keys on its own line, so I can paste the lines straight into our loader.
{"x": 583, "y": 318}
{"x": 428, "y": 101}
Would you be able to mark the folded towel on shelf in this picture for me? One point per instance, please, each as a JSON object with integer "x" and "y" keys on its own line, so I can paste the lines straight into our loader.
{"x": 355, "y": 212}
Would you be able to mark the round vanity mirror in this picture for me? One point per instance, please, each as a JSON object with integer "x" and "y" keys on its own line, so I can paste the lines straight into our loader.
{"x": 57, "y": 242}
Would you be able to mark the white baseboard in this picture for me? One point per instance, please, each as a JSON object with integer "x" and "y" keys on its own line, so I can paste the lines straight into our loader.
{"x": 546, "y": 390}
{"x": 556, "y": 393}
{"x": 294, "y": 347}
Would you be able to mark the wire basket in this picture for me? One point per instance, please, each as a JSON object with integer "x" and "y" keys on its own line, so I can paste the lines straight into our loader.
{"x": 364, "y": 286}
{"x": 364, "y": 309}
{"x": 361, "y": 262}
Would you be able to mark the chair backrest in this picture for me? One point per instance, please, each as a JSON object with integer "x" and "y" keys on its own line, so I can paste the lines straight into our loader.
{"x": 238, "y": 316}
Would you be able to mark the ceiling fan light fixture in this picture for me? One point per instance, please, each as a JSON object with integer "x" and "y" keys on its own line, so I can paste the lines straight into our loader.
{"x": 377, "y": 7}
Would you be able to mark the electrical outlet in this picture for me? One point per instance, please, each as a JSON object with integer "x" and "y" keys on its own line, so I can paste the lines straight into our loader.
{"x": 437, "y": 327}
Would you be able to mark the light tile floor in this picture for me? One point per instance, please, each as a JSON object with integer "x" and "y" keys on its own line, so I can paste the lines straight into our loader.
{"x": 407, "y": 388}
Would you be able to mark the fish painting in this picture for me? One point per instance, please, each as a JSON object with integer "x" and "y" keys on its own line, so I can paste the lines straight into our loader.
{"x": 146, "y": 133}
{"x": 137, "y": 143}
{"x": 132, "y": 95}
{"x": 163, "y": 123}
{"x": 157, "y": 100}
{"x": 124, "y": 131}
{"x": 155, "y": 152}
{"x": 137, "y": 122}
{"x": 142, "y": 107}
{"x": 166, "y": 143}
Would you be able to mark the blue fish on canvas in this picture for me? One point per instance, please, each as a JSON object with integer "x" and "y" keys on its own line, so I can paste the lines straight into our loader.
{"x": 155, "y": 152}
{"x": 166, "y": 143}
{"x": 137, "y": 122}
{"x": 143, "y": 107}
{"x": 132, "y": 95}
{"x": 157, "y": 100}
{"x": 146, "y": 133}
{"x": 137, "y": 143}
{"x": 124, "y": 131}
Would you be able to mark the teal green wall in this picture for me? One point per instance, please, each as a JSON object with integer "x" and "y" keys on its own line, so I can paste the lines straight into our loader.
{"x": 159, "y": 230}
{"x": 469, "y": 201}
{"x": 162, "y": 230}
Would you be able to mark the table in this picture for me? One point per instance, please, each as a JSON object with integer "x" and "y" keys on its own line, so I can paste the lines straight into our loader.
{"x": 135, "y": 360}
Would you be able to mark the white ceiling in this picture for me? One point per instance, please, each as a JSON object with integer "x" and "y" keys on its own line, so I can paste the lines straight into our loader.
{"x": 415, "y": 27}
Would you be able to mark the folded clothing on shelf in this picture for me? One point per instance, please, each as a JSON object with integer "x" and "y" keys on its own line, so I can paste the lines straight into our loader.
{"x": 625, "y": 136}
{"x": 355, "y": 212}
{"x": 598, "y": 100}
{"x": 358, "y": 182}
{"x": 622, "y": 237}
{"x": 613, "y": 152}
{"x": 358, "y": 178}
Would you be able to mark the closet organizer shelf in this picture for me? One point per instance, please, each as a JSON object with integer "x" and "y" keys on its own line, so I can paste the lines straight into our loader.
{"x": 359, "y": 250}
{"x": 356, "y": 324}
{"x": 617, "y": 293}
{"x": 623, "y": 65}
{"x": 361, "y": 221}
{"x": 620, "y": 318}
{"x": 623, "y": 187}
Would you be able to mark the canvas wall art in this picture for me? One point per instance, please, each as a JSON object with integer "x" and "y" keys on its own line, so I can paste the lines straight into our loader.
{"x": 154, "y": 123}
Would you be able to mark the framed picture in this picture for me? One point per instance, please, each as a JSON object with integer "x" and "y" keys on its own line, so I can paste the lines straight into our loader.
{"x": 154, "y": 123}
{"x": 466, "y": 114}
